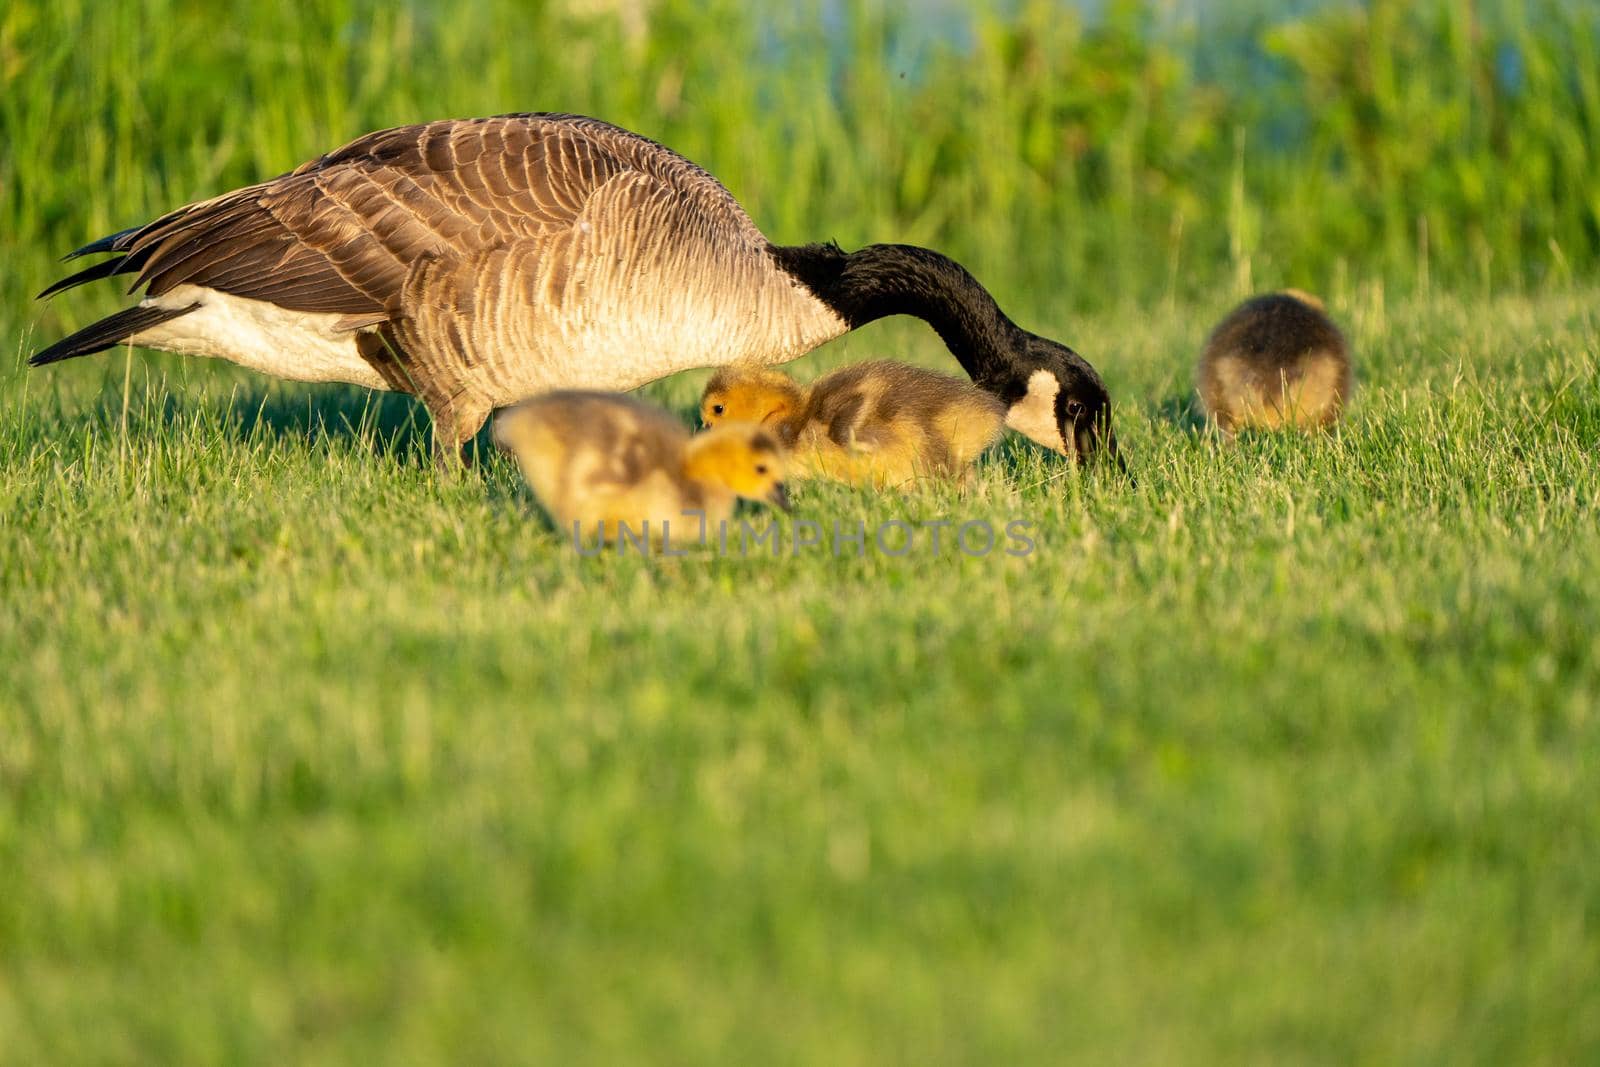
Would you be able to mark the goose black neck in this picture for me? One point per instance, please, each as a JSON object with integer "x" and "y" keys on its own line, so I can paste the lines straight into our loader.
{"x": 883, "y": 280}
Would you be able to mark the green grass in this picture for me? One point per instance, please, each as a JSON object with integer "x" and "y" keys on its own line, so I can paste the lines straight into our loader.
{"x": 1291, "y": 754}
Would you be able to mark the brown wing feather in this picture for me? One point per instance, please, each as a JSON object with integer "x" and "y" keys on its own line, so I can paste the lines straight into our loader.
{"x": 341, "y": 232}
{"x": 466, "y": 323}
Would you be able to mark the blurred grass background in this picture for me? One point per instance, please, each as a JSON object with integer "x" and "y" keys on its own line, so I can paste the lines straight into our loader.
{"x": 1138, "y": 151}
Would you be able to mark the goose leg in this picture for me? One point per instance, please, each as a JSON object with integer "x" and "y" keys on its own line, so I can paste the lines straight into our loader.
{"x": 457, "y": 418}
{"x": 439, "y": 334}
{"x": 456, "y": 410}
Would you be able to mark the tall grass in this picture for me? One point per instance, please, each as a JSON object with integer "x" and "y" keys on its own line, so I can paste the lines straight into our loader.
{"x": 1072, "y": 161}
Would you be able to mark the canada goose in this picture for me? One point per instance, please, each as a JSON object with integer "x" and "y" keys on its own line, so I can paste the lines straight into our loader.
{"x": 476, "y": 262}
{"x": 601, "y": 461}
{"x": 877, "y": 423}
{"x": 1276, "y": 360}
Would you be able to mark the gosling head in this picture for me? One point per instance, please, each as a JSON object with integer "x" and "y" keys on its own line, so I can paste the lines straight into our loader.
{"x": 741, "y": 458}
{"x": 1056, "y": 398}
{"x": 749, "y": 394}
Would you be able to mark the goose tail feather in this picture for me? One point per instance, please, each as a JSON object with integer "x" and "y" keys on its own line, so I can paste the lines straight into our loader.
{"x": 108, "y": 333}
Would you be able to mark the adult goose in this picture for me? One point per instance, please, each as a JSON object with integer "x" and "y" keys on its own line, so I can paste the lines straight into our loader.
{"x": 477, "y": 262}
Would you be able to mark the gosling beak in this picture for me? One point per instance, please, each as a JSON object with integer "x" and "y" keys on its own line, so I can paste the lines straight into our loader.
{"x": 779, "y": 497}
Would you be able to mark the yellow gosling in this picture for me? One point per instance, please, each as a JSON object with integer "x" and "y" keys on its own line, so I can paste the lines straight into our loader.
{"x": 878, "y": 423}
{"x": 606, "y": 466}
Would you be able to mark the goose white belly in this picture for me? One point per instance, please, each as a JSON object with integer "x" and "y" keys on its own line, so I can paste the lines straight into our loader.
{"x": 579, "y": 348}
{"x": 302, "y": 346}
{"x": 620, "y": 348}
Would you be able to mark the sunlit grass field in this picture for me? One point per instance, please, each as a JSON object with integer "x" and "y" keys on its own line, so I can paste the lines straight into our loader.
{"x": 1289, "y": 753}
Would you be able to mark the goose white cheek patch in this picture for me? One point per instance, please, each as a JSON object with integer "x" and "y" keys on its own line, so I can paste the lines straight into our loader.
{"x": 1035, "y": 414}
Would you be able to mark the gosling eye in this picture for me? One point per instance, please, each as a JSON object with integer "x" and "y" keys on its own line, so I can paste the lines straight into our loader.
{"x": 761, "y": 468}
{"x": 716, "y": 409}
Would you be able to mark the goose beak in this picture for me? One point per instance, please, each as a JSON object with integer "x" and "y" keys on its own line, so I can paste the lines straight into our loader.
{"x": 779, "y": 497}
{"x": 1111, "y": 444}
{"x": 1089, "y": 438}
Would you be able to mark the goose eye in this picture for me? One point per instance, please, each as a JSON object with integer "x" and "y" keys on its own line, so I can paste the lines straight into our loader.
{"x": 716, "y": 409}
{"x": 1074, "y": 408}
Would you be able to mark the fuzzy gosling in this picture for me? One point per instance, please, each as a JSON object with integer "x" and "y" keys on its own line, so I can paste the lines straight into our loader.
{"x": 878, "y": 423}
{"x": 1276, "y": 361}
{"x": 602, "y": 461}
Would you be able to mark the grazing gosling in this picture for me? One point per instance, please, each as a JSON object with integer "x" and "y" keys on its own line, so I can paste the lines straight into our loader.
{"x": 878, "y": 423}
{"x": 1277, "y": 360}
{"x": 602, "y": 461}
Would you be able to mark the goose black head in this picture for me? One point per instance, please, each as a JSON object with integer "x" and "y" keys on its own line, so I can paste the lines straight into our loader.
{"x": 1056, "y": 398}
{"x": 1051, "y": 393}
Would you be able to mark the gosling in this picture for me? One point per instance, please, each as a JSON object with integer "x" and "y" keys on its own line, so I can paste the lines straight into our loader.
{"x": 606, "y": 466}
{"x": 878, "y": 423}
{"x": 1276, "y": 361}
